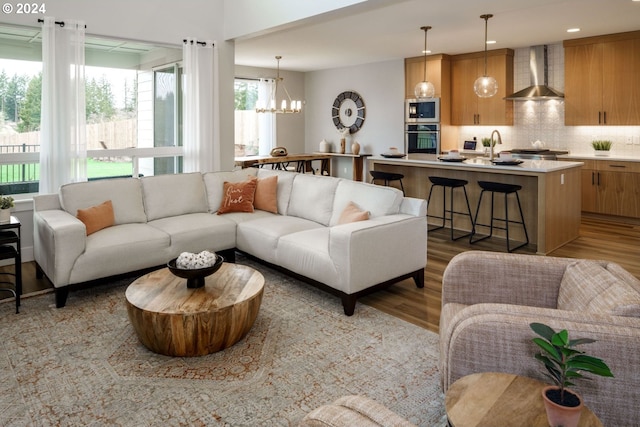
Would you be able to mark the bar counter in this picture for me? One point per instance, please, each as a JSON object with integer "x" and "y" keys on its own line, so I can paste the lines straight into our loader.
{"x": 550, "y": 194}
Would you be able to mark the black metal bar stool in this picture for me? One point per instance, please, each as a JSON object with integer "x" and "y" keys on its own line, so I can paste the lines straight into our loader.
{"x": 506, "y": 189}
{"x": 10, "y": 249}
{"x": 451, "y": 184}
{"x": 387, "y": 177}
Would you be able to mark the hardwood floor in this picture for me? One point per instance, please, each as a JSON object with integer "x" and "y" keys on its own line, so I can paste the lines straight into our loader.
{"x": 599, "y": 239}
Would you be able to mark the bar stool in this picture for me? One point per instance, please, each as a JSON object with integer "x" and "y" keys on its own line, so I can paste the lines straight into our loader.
{"x": 506, "y": 189}
{"x": 387, "y": 177}
{"x": 451, "y": 184}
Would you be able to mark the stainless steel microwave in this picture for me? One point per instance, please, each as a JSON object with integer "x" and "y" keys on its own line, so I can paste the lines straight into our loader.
{"x": 422, "y": 110}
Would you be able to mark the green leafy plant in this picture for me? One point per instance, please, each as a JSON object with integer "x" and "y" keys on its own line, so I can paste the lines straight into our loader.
{"x": 601, "y": 145}
{"x": 563, "y": 362}
{"x": 486, "y": 142}
{"x": 6, "y": 202}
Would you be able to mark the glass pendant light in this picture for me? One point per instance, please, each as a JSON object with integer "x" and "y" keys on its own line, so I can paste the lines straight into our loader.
{"x": 425, "y": 89}
{"x": 485, "y": 86}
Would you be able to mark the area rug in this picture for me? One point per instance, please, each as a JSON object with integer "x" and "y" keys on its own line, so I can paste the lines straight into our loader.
{"x": 83, "y": 364}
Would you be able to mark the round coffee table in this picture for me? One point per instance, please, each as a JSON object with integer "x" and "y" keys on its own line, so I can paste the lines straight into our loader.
{"x": 497, "y": 399}
{"x": 174, "y": 320}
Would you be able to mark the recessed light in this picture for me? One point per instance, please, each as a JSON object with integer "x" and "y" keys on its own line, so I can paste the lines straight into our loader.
{"x": 491, "y": 42}
{"x": 575, "y": 30}
{"x": 426, "y": 51}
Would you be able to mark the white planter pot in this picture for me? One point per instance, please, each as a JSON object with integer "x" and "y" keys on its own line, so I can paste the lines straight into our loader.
{"x": 5, "y": 215}
{"x": 603, "y": 153}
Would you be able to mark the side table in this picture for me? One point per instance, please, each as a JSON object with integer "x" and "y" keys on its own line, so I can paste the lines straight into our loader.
{"x": 10, "y": 249}
{"x": 498, "y": 399}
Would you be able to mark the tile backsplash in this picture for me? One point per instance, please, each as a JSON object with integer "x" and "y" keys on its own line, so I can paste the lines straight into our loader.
{"x": 544, "y": 120}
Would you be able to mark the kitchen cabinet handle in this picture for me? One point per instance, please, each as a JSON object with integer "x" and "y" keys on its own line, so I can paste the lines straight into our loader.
{"x": 598, "y": 178}
{"x": 617, "y": 166}
{"x": 593, "y": 178}
{"x": 604, "y": 115}
{"x": 599, "y": 117}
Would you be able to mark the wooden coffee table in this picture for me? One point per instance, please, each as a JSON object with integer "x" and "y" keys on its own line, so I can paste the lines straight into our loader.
{"x": 497, "y": 399}
{"x": 174, "y": 320}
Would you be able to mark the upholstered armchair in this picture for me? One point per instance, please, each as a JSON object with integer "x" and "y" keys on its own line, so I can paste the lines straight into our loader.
{"x": 489, "y": 299}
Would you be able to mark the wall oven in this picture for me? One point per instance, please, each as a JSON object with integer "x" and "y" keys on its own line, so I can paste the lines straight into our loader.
{"x": 422, "y": 110}
{"x": 422, "y": 138}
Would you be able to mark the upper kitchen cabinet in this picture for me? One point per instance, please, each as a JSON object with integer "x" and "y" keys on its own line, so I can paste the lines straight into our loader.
{"x": 438, "y": 73}
{"x": 602, "y": 80}
{"x": 466, "y": 107}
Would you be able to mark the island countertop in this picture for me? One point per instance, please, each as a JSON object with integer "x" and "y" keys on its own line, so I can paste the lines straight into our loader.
{"x": 527, "y": 167}
{"x": 550, "y": 193}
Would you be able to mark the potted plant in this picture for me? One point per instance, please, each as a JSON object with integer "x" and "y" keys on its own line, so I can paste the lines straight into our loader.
{"x": 601, "y": 147}
{"x": 486, "y": 142}
{"x": 564, "y": 364}
{"x": 6, "y": 203}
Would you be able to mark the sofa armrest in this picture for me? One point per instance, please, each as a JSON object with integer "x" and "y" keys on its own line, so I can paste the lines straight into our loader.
{"x": 413, "y": 206}
{"x": 368, "y": 252}
{"x": 497, "y": 338}
{"x": 45, "y": 202}
{"x": 59, "y": 239}
{"x": 488, "y": 277}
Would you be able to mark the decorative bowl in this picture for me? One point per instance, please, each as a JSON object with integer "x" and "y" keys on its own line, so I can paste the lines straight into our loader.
{"x": 195, "y": 276}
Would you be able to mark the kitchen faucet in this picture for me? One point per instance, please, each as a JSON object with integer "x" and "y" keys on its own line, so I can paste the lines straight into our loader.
{"x": 493, "y": 143}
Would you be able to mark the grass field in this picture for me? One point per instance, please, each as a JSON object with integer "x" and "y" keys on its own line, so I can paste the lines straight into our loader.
{"x": 95, "y": 169}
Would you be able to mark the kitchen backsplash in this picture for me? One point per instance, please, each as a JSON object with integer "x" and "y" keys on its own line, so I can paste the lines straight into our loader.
{"x": 544, "y": 120}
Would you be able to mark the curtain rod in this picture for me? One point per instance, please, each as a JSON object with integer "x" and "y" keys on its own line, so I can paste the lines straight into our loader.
{"x": 197, "y": 42}
{"x": 61, "y": 23}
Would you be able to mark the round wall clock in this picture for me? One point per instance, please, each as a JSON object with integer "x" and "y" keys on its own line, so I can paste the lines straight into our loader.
{"x": 348, "y": 111}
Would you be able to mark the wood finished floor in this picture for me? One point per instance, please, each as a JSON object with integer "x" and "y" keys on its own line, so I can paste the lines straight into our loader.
{"x": 599, "y": 239}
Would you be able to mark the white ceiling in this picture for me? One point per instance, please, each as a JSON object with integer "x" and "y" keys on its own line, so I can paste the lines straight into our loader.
{"x": 381, "y": 32}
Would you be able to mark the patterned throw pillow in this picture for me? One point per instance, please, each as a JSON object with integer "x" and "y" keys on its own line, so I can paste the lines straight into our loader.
{"x": 238, "y": 196}
{"x": 97, "y": 217}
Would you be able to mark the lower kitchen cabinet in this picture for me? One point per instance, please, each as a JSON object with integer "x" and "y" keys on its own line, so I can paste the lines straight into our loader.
{"x": 611, "y": 187}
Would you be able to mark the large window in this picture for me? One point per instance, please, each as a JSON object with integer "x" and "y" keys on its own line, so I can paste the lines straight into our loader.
{"x": 246, "y": 118}
{"x": 133, "y": 98}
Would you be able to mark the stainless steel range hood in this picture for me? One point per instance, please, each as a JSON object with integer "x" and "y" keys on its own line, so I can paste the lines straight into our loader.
{"x": 539, "y": 90}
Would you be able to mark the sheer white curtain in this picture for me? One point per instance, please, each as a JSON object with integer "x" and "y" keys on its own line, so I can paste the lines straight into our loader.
{"x": 201, "y": 118}
{"x": 63, "y": 148}
{"x": 266, "y": 121}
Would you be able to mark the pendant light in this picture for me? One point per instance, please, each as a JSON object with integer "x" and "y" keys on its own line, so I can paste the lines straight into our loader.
{"x": 272, "y": 104}
{"x": 425, "y": 89}
{"x": 485, "y": 86}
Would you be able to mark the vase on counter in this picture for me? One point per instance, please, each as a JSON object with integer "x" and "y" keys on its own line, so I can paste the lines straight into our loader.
{"x": 343, "y": 145}
{"x": 355, "y": 148}
{"x": 325, "y": 146}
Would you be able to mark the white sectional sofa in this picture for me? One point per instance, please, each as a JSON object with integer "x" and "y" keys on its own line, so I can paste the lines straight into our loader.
{"x": 157, "y": 218}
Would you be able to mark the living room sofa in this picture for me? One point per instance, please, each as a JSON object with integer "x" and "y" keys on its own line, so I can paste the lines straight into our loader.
{"x": 157, "y": 218}
{"x": 489, "y": 299}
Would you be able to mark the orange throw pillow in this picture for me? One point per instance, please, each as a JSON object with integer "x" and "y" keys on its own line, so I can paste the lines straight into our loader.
{"x": 266, "y": 194}
{"x": 352, "y": 213}
{"x": 238, "y": 196}
{"x": 97, "y": 217}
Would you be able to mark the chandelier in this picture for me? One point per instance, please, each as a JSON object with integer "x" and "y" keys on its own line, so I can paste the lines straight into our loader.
{"x": 425, "y": 88}
{"x": 485, "y": 86}
{"x": 287, "y": 105}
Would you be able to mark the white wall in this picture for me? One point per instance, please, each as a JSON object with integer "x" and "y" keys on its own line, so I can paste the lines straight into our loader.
{"x": 381, "y": 86}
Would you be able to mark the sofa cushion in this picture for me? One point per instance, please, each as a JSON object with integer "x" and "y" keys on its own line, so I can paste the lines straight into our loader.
{"x": 125, "y": 195}
{"x": 172, "y": 195}
{"x": 238, "y": 196}
{"x": 589, "y": 286}
{"x": 266, "y": 197}
{"x": 312, "y": 198}
{"x": 97, "y": 217}
{"x": 214, "y": 182}
{"x": 197, "y": 232}
{"x": 352, "y": 213}
{"x": 376, "y": 199}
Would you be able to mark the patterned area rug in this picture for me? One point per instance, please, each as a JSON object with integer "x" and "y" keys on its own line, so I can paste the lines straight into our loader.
{"x": 83, "y": 364}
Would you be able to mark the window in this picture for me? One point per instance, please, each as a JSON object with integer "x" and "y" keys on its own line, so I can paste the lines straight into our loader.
{"x": 246, "y": 118}
{"x": 134, "y": 110}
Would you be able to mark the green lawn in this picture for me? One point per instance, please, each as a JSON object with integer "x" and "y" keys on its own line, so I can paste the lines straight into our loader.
{"x": 95, "y": 169}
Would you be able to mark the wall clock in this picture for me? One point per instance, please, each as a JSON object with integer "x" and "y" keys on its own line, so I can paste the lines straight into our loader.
{"x": 348, "y": 111}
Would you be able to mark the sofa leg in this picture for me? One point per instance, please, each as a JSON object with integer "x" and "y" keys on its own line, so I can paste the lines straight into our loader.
{"x": 61, "y": 296}
{"x": 418, "y": 277}
{"x": 39, "y": 272}
{"x": 349, "y": 304}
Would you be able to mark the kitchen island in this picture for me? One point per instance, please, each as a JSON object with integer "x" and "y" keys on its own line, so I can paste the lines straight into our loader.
{"x": 550, "y": 195}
